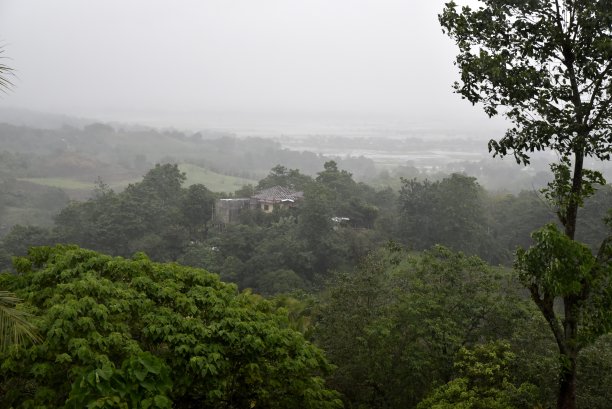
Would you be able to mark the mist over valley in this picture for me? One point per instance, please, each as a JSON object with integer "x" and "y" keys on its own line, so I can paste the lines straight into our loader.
{"x": 289, "y": 204}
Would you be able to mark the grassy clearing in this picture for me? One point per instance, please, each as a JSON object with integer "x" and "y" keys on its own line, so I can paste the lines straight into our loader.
{"x": 213, "y": 181}
{"x": 195, "y": 174}
{"x": 62, "y": 183}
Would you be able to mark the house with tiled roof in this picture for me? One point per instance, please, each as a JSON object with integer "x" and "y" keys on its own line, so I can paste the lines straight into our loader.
{"x": 227, "y": 211}
{"x": 276, "y": 197}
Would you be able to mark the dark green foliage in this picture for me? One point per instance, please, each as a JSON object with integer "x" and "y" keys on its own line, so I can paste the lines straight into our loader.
{"x": 143, "y": 381}
{"x": 315, "y": 227}
{"x": 201, "y": 255}
{"x": 483, "y": 382}
{"x": 281, "y": 176}
{"x": 448, "y": 212}
{"x": 169, "y": 222}
{"x": 340, "y": 182}
{"x": 148, "y": 216}
{"x": 316, "y": 213}
{"x": 20, "y": 239}
{"x": 513, "y": 218}
{"x": 245, "y": 191}
{"x": 394, "y": 327}
{"x": 137, "y": 334}
{"x": 252, "y": 256}
{"x": 196, "y": 206}
{"x": 279, "y": 282}
{"x": 347, "y": 198}
{"x": 556, "y": 266}
{"x": 595, "y": 374}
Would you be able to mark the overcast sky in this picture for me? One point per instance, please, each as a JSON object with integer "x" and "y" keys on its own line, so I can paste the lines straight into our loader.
{"x": 192, "y": 61}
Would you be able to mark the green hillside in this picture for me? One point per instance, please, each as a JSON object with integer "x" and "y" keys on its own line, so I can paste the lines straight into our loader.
{"x": 195, "y": 174}
{"x": 213, "y": 181}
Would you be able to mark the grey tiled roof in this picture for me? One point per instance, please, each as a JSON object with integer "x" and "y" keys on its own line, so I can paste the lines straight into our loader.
{"x": 278, "y": 194}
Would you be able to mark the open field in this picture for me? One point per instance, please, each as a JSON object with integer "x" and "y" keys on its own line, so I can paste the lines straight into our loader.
{"x": 213, "y": 181}
{"x": 216, "y": 182}
{"x": 62, "y": 183}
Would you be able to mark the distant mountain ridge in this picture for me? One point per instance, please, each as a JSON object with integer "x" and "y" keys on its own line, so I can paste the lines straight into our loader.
{"x": 41, "y": 120}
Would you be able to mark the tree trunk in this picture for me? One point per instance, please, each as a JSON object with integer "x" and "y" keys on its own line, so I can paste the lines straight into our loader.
{"x": 567, "y": 379}
{"x": 566, "y": 399}
{"x": 567, "y": 385}
{"x": 572, "y": 207}
{"x": 567, "y": 390}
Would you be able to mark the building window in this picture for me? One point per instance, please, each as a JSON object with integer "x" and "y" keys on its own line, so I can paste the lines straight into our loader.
{"x": 266, "y": 207}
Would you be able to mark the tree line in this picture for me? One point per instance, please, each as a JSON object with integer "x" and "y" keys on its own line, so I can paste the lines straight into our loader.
{"x": 405, "y": 321}
{"x": 432, "y": 329}
{"x": 171, "y": 222}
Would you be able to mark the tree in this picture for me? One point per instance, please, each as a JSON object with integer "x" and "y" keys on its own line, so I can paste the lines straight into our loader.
{"x": 197, "y": 207}
{"x": 447, "y": 212}
{"x": 21, "y": 238}
{"x": 316, "y": 229}
{"x": 281, "y": 176}
{"x": 484, "y": 382}
{"x": 395, "y": 324}
{"x": 162, "y": 182}
{"x": 340, "y": 182}
{"x": 347, "y": 197}
{"x": 155, "y": 215}
{"x": 130, "y": 333}
{"x": 595, "y": 374}
{"x": 512, "y": 218}
{"x": 547, "y": 67}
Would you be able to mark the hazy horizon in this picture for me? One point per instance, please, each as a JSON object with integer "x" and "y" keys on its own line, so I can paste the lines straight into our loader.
{"x": 271, "y": 65}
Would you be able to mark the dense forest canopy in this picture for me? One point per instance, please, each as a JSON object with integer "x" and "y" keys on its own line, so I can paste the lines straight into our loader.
{"x": 338, "y": 281}
{"x": 320, "y": 273}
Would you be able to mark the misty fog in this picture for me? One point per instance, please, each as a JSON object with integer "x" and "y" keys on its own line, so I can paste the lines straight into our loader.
{"x": 269, "y": 64}
{"x": 293, "y": 204}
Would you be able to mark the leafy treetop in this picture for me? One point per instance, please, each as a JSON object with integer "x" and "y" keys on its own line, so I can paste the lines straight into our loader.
{"x": 131, "y": 333}
{"x": 548, "y": 63}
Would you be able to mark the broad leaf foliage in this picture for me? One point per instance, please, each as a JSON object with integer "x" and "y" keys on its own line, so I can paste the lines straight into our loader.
{"x": 131, "y": 333}
{"x": 548, "y": 64}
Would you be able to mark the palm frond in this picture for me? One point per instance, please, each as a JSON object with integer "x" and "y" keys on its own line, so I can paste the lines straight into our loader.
{"x": 15, "y": 327}
{"x": 5, "y": 73}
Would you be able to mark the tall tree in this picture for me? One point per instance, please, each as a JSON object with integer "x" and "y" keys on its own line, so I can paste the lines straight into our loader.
{"x": 447, "y": 212}
{"x": 547, "y": 67}
{"x": 281, "y": 176}
{"x": 338, "y": 181}
{"x": 197, "y": 206}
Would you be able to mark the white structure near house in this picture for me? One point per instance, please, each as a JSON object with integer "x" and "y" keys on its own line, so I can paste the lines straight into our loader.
{"x": 227, "y": 211}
